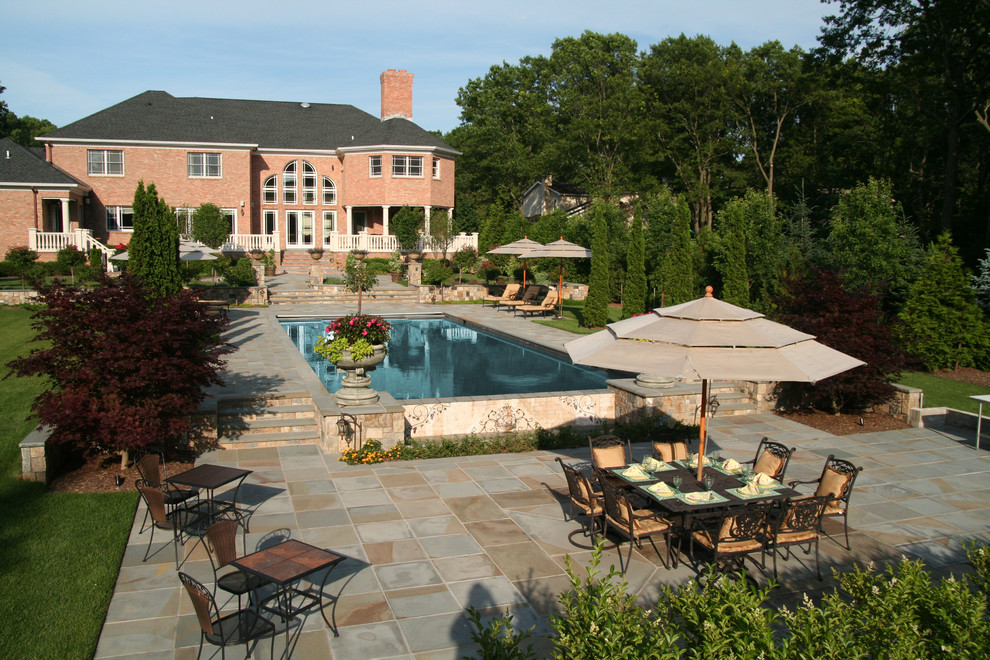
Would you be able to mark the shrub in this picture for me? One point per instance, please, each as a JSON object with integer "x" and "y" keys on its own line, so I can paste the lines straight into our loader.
{"x": 19, "y": 260}
{"x": 124, "y": 367}
{"x": 241, "y": 273}
{"x": 436, "y": 271}
{"x": 377, "y": 266}
{"x": 406, "y": 225}
{"x": 497, "y": 639}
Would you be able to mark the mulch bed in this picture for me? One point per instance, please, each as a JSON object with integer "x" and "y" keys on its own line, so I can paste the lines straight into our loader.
{"x": 845, "y": 424}
{"x": 966, "y": 375}
{"x": 96, "y": 475}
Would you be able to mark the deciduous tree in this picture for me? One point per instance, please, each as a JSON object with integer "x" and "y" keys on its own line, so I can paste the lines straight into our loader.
{"x": 210, "y": 226}
{"x": 125, "y": 368}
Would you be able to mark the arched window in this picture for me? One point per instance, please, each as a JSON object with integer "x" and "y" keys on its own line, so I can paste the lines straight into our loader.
{"x": 308, "y": 183}
{"x": 329, "y": 192}
{"x": 289, "y": 183}
{"x": 270, "y": 190}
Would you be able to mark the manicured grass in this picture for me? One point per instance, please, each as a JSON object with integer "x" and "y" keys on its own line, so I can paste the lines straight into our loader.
{"x": 574, "y": 314}
{"x": 946, "y": 392}
{"x": 59, "y": 552}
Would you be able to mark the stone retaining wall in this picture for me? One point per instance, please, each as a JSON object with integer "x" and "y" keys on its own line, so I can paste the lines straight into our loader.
{"x": 905, "y": 398}
{"x": 457, "y": 416}
{"x": 17, "y": 297}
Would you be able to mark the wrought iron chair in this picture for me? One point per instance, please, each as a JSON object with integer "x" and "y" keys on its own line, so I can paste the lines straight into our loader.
{"x": 240, "y": 627}
{"x": 608, "y": 451}
{"x": 584, "y": 499}
{"x": 771, "y": 459}
{"x": 799, "y": 524}
{"x": 836, "y": 482}
{"x": 182, "y": 522}
{"x": 221, "y": 546}
{"x": 733, "y": 535}
{"x": 150, "y": 464}
{"x": 673, "y": 450}
{"x": 635, "y": 524}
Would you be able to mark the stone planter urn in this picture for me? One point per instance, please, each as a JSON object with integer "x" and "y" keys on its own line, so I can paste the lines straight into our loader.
{"x": 355, "y": 389}
{"x": 257, "y": 255}
{"x": 316, "y": 254}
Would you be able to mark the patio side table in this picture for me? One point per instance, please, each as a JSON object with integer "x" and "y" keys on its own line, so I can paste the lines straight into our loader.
{"x": 209, "y": 477}
{"x": 981, "y": 399}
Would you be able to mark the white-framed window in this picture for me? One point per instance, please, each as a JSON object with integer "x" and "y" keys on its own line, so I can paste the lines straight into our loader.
{"x": 105, "y": 162}
{"x": 407, "y": 166}
{"x": 269, "y": 191}
{"x": 201, "y": 165}
{"x": 329, "y": 192}
{"x": 329, "y": 225}
{"x": 308, "y": 183}
{"x": 374, "y": 166}
{"x": 269, "y": 221}
{"x": 289, "y": 183}
{"x": 183, "y": 218}
{"x": 436, "y": 168}
{"x": 120, "y": 218}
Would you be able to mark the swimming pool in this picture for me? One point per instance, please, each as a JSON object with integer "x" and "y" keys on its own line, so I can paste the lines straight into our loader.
{"x": 434, "y": 358}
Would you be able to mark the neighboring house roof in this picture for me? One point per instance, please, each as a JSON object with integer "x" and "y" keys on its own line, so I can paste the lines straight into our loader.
{"x": 23, "y": 167}
{"x": 156, "y": 116}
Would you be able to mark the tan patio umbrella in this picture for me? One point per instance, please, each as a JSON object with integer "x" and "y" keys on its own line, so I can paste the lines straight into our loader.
{"x": 559, "y": 250}
{"x": 705, "y": 339}
{"x": 517, "y": 248}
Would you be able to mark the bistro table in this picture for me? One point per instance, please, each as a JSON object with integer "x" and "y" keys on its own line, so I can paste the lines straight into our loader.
{"x": 209, "y": 477}
{"x": 285, "y": 564}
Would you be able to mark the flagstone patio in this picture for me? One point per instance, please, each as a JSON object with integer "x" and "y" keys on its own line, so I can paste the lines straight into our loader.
{"x": 426, "y": 539}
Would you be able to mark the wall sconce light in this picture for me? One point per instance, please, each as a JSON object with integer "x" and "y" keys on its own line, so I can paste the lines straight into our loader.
{"x": 347, "y": 426}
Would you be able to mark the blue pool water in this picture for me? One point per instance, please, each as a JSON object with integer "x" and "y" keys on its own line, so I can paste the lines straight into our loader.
{"x": 430, "y": 358}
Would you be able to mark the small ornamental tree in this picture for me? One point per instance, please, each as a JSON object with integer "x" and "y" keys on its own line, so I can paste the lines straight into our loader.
{"x": 154, "y": 247}
{"x": 406, "y": 225}
{"x": 465, "y": 259}
{"x": 848, "y": 321}
{"x": 941, "y": 323}
{"x": 210, "y": 226}
{"x": 124, "y": 368}
{"x": 634, "y": 293}
{"x": 20, "y": 259}
{"x": 599, "y": 292}
{"x": 358, "y": 278}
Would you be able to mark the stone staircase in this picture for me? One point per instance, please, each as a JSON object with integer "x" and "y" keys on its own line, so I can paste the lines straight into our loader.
{"x": 732, "y": 400}
{"x": 298, "y": 262}
{"x": 273, "y": 420}
{"x": 312, "y": 295}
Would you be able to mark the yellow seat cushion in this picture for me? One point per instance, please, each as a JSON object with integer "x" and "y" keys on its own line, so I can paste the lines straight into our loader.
{"x": 609, "y": 457}
{"x": 705, "y": 538}
{"x": 795, "y": 537}
{"x": 768, "y": 464}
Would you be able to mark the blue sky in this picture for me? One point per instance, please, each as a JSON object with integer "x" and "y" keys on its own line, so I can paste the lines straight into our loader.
{"x": 65, "y": 59}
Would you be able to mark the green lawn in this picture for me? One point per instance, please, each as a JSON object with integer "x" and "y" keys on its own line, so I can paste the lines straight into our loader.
{"x": 945, "y": 392}
{"x": 574, "y": 313}
{"x": 59, "y": 552}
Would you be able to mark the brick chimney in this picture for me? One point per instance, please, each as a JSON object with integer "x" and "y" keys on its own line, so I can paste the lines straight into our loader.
{"x": 397, "y": 94}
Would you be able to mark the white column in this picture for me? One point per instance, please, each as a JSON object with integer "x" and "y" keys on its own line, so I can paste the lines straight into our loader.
{"x": 385, "y": 208}
{"x": 426, "y": 228}
{"x": 349, "y": 229}
{"x": 66, "y": 218}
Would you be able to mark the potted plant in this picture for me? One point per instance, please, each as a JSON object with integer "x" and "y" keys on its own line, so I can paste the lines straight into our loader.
{"x": 316, "y": 253}
{"x": 257, "y": 254}
{"x": 355, "y": 344}
{"x": 269, "y": 261}
{"x": 396, "y": 267}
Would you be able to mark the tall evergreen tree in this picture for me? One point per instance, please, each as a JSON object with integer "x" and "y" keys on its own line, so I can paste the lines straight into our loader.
{"x": 599, "y": 291}
{"x": 669, "y": 248}
{"x": 153, "y": 252}
{"x": 942, "y": 324}
{"x": 634, "y": 292}
{"x": 729, "y": 247}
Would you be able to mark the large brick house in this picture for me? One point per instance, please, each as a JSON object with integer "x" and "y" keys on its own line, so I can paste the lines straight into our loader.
{"x": 290, "y": 176}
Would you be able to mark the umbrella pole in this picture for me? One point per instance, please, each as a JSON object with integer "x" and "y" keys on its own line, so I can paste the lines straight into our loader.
{"x": 704, "y": 415}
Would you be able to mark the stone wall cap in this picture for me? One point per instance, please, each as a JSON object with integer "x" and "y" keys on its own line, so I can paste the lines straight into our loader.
{"x": 36, "y": 438}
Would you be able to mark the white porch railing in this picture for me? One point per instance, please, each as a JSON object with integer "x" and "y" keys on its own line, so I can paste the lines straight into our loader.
{"x": 248, "y": 242}
{"x": 387, "y": 243}
{"x": 53, "y": 241}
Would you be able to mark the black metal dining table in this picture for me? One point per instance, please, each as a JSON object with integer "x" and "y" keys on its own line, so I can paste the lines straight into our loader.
{"x": 209, "y": 477}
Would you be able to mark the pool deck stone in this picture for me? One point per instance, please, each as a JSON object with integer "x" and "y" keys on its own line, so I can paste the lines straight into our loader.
{"x": 425, "y": 539}
{"x": 413, "y": 566}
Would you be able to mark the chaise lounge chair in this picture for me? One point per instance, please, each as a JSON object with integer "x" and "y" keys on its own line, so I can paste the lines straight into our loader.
{"x": 547, "y": 305}
{"x": 511, "y": 292}
{"x": 530, "y": 297}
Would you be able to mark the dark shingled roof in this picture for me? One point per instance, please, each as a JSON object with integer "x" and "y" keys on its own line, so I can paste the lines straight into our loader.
{"x": 160, "y": 117}
{"x": 21, "y": 165}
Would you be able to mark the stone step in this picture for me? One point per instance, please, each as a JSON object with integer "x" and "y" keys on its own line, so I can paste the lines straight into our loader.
{"x": 268, "y": 425}
{"x": 254, "y": 441}
{"x": 270, "y": 411}
{"x": 290, "y": 297}
{"x": 744, "y": 407}
{"x": 301, "y": 397}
